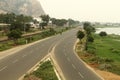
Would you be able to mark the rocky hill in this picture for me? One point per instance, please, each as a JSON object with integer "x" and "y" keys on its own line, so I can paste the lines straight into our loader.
{"x": 26, "y": 7}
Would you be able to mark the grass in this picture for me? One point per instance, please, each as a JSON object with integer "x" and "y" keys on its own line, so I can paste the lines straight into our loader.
{"x": 106, "y": 53}
{"x": 44, "y": 72}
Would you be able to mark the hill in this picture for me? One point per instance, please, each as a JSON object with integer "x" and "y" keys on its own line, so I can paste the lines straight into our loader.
{"x": 26, "y": 7}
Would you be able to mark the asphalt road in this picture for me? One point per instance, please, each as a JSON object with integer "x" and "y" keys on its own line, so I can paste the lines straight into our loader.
{"x": 72, "y": 67}
{"x": 14, "y": 66}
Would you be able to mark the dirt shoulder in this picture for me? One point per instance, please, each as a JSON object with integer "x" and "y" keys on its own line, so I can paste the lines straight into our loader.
{"x": 107, "y": 75}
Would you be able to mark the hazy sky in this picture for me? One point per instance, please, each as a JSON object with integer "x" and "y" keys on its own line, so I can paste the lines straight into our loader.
{"x": 83, "y": 10}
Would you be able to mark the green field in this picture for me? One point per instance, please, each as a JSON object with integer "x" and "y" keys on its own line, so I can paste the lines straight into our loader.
{"x": 104, "y": 52}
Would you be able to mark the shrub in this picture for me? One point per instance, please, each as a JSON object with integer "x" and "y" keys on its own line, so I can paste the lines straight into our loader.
{"x": 80, "y": 35}
{"x": 105, "y": 66}
{"x": 91, "y": 51}
{"x": 103, "y": 34}
{"x": 90, "y": 38}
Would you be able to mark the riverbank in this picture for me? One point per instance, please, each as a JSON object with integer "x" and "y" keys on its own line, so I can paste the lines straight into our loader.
{"x": 103, "y": 56}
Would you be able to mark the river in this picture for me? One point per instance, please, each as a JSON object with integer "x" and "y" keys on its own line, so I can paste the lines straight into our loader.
{"x": 110, "y": 30}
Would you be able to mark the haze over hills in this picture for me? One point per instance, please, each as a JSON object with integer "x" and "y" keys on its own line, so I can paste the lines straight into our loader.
{"x": 26, "y": 7}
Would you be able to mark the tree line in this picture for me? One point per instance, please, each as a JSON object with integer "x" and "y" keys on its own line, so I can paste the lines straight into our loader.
{"x": 20, "y": 23}
{"x": 87, "y": 33}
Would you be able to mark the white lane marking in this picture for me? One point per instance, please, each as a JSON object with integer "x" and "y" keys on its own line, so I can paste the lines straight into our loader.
{"x": 68, "y": 59}
{"x": 73, "y": 66}
{"x": 24, "y": 55}
{"x": 3, "y": 68}
{"x": 80, "y": 75}
{"x": 15, "y": 61}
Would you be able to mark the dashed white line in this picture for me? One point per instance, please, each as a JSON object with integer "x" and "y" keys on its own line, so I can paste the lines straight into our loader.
{"x": 3, "y": 68}
{"x": 73, "y": 66}
{"x": 80, "y": 75}
{"x": 15, "y": 61}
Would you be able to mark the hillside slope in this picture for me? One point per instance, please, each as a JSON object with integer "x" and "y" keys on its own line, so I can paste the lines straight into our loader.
{"x": 26, "y": 7}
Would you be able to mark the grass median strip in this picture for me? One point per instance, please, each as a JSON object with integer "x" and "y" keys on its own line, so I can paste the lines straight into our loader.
{"x": 44, "y": 72}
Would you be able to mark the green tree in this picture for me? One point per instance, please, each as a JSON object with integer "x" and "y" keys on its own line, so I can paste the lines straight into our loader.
{"x": 14, "y": 35}
{"x": 90, "y": 38}
{"x": 45, "y": 20}
{"x": 88, "y": 28}
{"x": 16, "y": 25}
{"x": 80, "y": 35}
{"x": 103, "y": 34}
{"x": 58, "y": 22}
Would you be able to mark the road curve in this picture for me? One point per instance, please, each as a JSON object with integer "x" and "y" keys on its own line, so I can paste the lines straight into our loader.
{"x": 15, "y": 65}
{"x": 72, "y": 67}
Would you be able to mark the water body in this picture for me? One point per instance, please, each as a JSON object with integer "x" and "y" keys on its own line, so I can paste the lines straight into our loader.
{"x": 115, "y": 31}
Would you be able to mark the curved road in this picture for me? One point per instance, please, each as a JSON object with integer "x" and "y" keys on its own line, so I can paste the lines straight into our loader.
{"x": 72, "y": 67}
{"x": 14, "y": 66}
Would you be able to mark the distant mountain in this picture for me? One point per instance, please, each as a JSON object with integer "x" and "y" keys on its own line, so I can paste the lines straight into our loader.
{"x": 26, "y": 7}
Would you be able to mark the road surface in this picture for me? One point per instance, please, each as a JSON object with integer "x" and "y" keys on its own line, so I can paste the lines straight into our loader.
{"x": 72, "y": 67}
{"x": 14, "y": 66}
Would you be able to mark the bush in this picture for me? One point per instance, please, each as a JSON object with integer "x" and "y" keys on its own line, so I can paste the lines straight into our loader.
{"x": 105, "y": 66}
{"x": 80, "y": 34}
{"x": 103, "y": 34}
{"x": 90, "y": 38}
{"x": 91, "y": 51}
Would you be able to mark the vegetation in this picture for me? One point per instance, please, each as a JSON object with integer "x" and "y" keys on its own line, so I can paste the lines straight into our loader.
{"x": 16, "y": 25}
{"x": 103, "y": 34}
{"x": 44, "y": 72}
{"x": 89, "y": 29}
{"x": 90, "y": 38}
{"x": 80, "y": 35}
{"x": 101, "y": 54}
{"x": 20, "y": 41}
{"x": 11, "y": 17}
{"x": 45, "y": 20}
{"x": 14, "y": 35}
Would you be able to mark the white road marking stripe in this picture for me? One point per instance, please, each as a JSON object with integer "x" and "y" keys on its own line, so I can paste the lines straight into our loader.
{"x": 15, "y": 61}
{"x": 3, "y": 68}
{"x": 74, "y": 66}
{"x": 80, "y": 74}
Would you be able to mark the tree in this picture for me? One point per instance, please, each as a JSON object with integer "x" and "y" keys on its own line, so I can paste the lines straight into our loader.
{"x": 16, "y": 25}
{"x": 103, "y": 34}
{"x": 14, "y": 35}
{"x": 80, "y": 35}
{"x": 88, "y": 28}
{"x": 90, "y": 38}
{"x": 59, "y": 22}
{"x": 45, "y": 20}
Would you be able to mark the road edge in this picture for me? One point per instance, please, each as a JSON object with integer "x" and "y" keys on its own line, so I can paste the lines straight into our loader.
{"x": 74, "y": 49}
